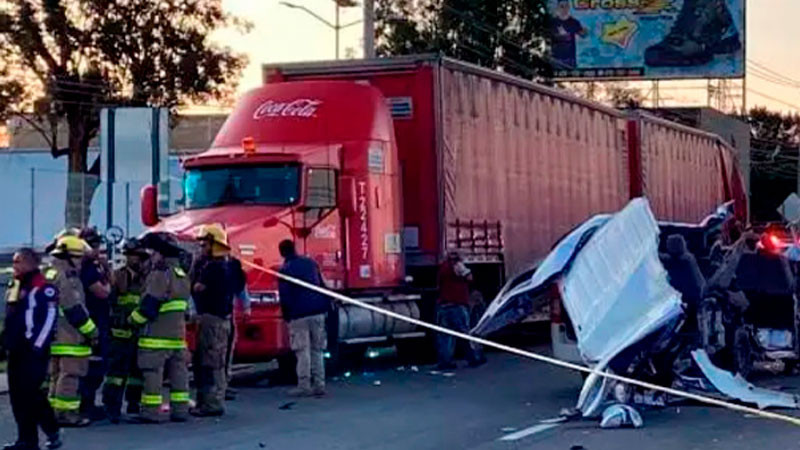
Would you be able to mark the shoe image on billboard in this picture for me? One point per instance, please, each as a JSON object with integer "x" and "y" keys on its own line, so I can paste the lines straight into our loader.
{"x": 703, "y": 30}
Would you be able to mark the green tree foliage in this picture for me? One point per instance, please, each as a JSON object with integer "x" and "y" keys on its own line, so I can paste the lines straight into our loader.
{"x": 509, "y": 35}
{"x": 61, "y": 61}
{"x": 774, "y": 161}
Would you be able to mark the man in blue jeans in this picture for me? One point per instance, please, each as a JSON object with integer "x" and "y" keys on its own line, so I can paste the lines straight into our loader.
{"x": 453, "y": 311}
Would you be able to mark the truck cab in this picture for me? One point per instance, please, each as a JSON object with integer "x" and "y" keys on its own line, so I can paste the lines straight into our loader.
{"x": 314, "y": 162}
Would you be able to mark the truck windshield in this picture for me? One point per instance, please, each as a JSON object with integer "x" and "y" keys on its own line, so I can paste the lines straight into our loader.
{"x": 261, "y": 185}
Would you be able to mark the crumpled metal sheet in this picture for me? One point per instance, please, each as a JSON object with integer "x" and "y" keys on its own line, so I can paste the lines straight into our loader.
{"x": 524, "y": 292}
{"x": 621, "y": 416}
{"x": 738, "y": 388}
{"x": 616, "y": 291}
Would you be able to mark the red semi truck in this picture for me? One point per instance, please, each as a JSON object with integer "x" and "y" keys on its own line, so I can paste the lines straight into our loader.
{"x": 376, "y": 168}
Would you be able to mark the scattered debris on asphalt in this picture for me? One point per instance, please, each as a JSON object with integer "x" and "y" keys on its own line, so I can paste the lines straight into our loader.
{"x": 629, "y": 319}
{"x": 621, "y": 416}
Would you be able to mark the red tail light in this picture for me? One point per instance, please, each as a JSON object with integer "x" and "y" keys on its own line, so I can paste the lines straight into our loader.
{"x": 775, "y": 241}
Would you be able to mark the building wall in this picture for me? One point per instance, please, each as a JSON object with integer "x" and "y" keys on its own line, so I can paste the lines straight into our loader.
{"x": 189, "y": 134}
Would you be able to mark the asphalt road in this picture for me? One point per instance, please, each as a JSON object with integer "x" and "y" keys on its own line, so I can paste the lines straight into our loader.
{"x": 405, "y": 409}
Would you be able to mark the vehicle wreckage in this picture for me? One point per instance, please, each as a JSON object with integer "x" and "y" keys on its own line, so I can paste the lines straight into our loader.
{"x": 652, "y": 316}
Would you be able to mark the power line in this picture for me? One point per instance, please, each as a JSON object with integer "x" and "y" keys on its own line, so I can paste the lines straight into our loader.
{"x": 774, "y": 73}
{"x": 774, "y": 99}
{"x": 758, "y": 73}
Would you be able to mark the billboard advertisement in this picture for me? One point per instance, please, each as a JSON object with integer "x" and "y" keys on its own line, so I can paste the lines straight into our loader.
{"x": 647, "y": 39}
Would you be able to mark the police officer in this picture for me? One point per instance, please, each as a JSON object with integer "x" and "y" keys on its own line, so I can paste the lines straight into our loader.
{"x": 31, "y": 311}
{"x": 124, "y": 377}
{"x": 76, "y": 333}
{"x": 162, "y": 338}
{"x": 95, "y": 275}
{"x": 215, "y": 283}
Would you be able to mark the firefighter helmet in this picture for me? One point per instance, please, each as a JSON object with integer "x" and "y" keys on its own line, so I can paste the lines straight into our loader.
{"x": 214, "y": 233}
{"x": 69, "y": 245}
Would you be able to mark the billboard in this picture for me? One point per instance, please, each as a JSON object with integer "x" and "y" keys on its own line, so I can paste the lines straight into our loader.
{"x": 647, "y": 39}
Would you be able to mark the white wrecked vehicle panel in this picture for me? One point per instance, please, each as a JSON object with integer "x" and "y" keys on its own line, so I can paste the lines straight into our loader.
{"x": 616, "y": 291}
{"x": 522, "y": 294}
{"x": 738, "y": 388}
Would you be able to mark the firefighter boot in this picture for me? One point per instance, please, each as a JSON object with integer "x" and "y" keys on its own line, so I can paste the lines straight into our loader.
{"x": 704, "y": 28}
{"x": 133, "y": 395}
{"x": 112, "y": 398}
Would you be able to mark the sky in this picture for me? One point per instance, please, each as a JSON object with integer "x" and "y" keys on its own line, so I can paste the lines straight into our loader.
{"x": 282, "y": 34}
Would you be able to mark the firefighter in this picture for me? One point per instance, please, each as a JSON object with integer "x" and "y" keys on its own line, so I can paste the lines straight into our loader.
{"x": 76, "y": 333}
{"x": 215, "y": 282}
{"x": 162, "y": 338}
{"x": 124, "y": 377}
{"x": 95, "y": 275}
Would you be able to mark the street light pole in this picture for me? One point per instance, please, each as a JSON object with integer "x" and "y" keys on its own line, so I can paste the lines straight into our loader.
{"x": 369, "y": 29}
{"x": 335, "y": 26}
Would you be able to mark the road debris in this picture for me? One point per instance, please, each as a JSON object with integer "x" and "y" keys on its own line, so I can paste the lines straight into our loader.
{"x": 607, "y": 272}
{"x": 287, "y": 406}
{"x": 738, "y": 388}
{"x": 621, "y": 416}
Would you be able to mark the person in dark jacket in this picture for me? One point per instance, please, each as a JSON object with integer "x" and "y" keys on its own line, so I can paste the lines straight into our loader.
{"x": 95, "y": 275}
{"x": 31, "y": 312}
{"x": 305, "y": 311}
{"x": 216, "y": 281}
{"x": 684, "y": 273}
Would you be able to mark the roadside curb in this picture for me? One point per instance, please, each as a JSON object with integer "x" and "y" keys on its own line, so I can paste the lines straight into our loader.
{"x": 3, "y": 384}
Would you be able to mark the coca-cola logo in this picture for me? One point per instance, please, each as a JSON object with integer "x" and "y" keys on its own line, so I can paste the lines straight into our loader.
{"x": 302, "y": 107}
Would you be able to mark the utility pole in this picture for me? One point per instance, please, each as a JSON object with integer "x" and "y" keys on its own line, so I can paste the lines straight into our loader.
{"x": 369, "y": 29}
{"x": 337, "y": 28}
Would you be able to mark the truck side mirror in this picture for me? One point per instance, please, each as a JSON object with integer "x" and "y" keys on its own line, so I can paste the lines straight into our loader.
{"x": 149, "y": 208}
{"x": 347, "y": 196}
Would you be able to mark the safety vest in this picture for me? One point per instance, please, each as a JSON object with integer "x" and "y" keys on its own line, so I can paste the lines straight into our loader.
{"x": 167, "y": 330}
{"x": 128, "y": 286}
{"x": 74, "y": 328}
